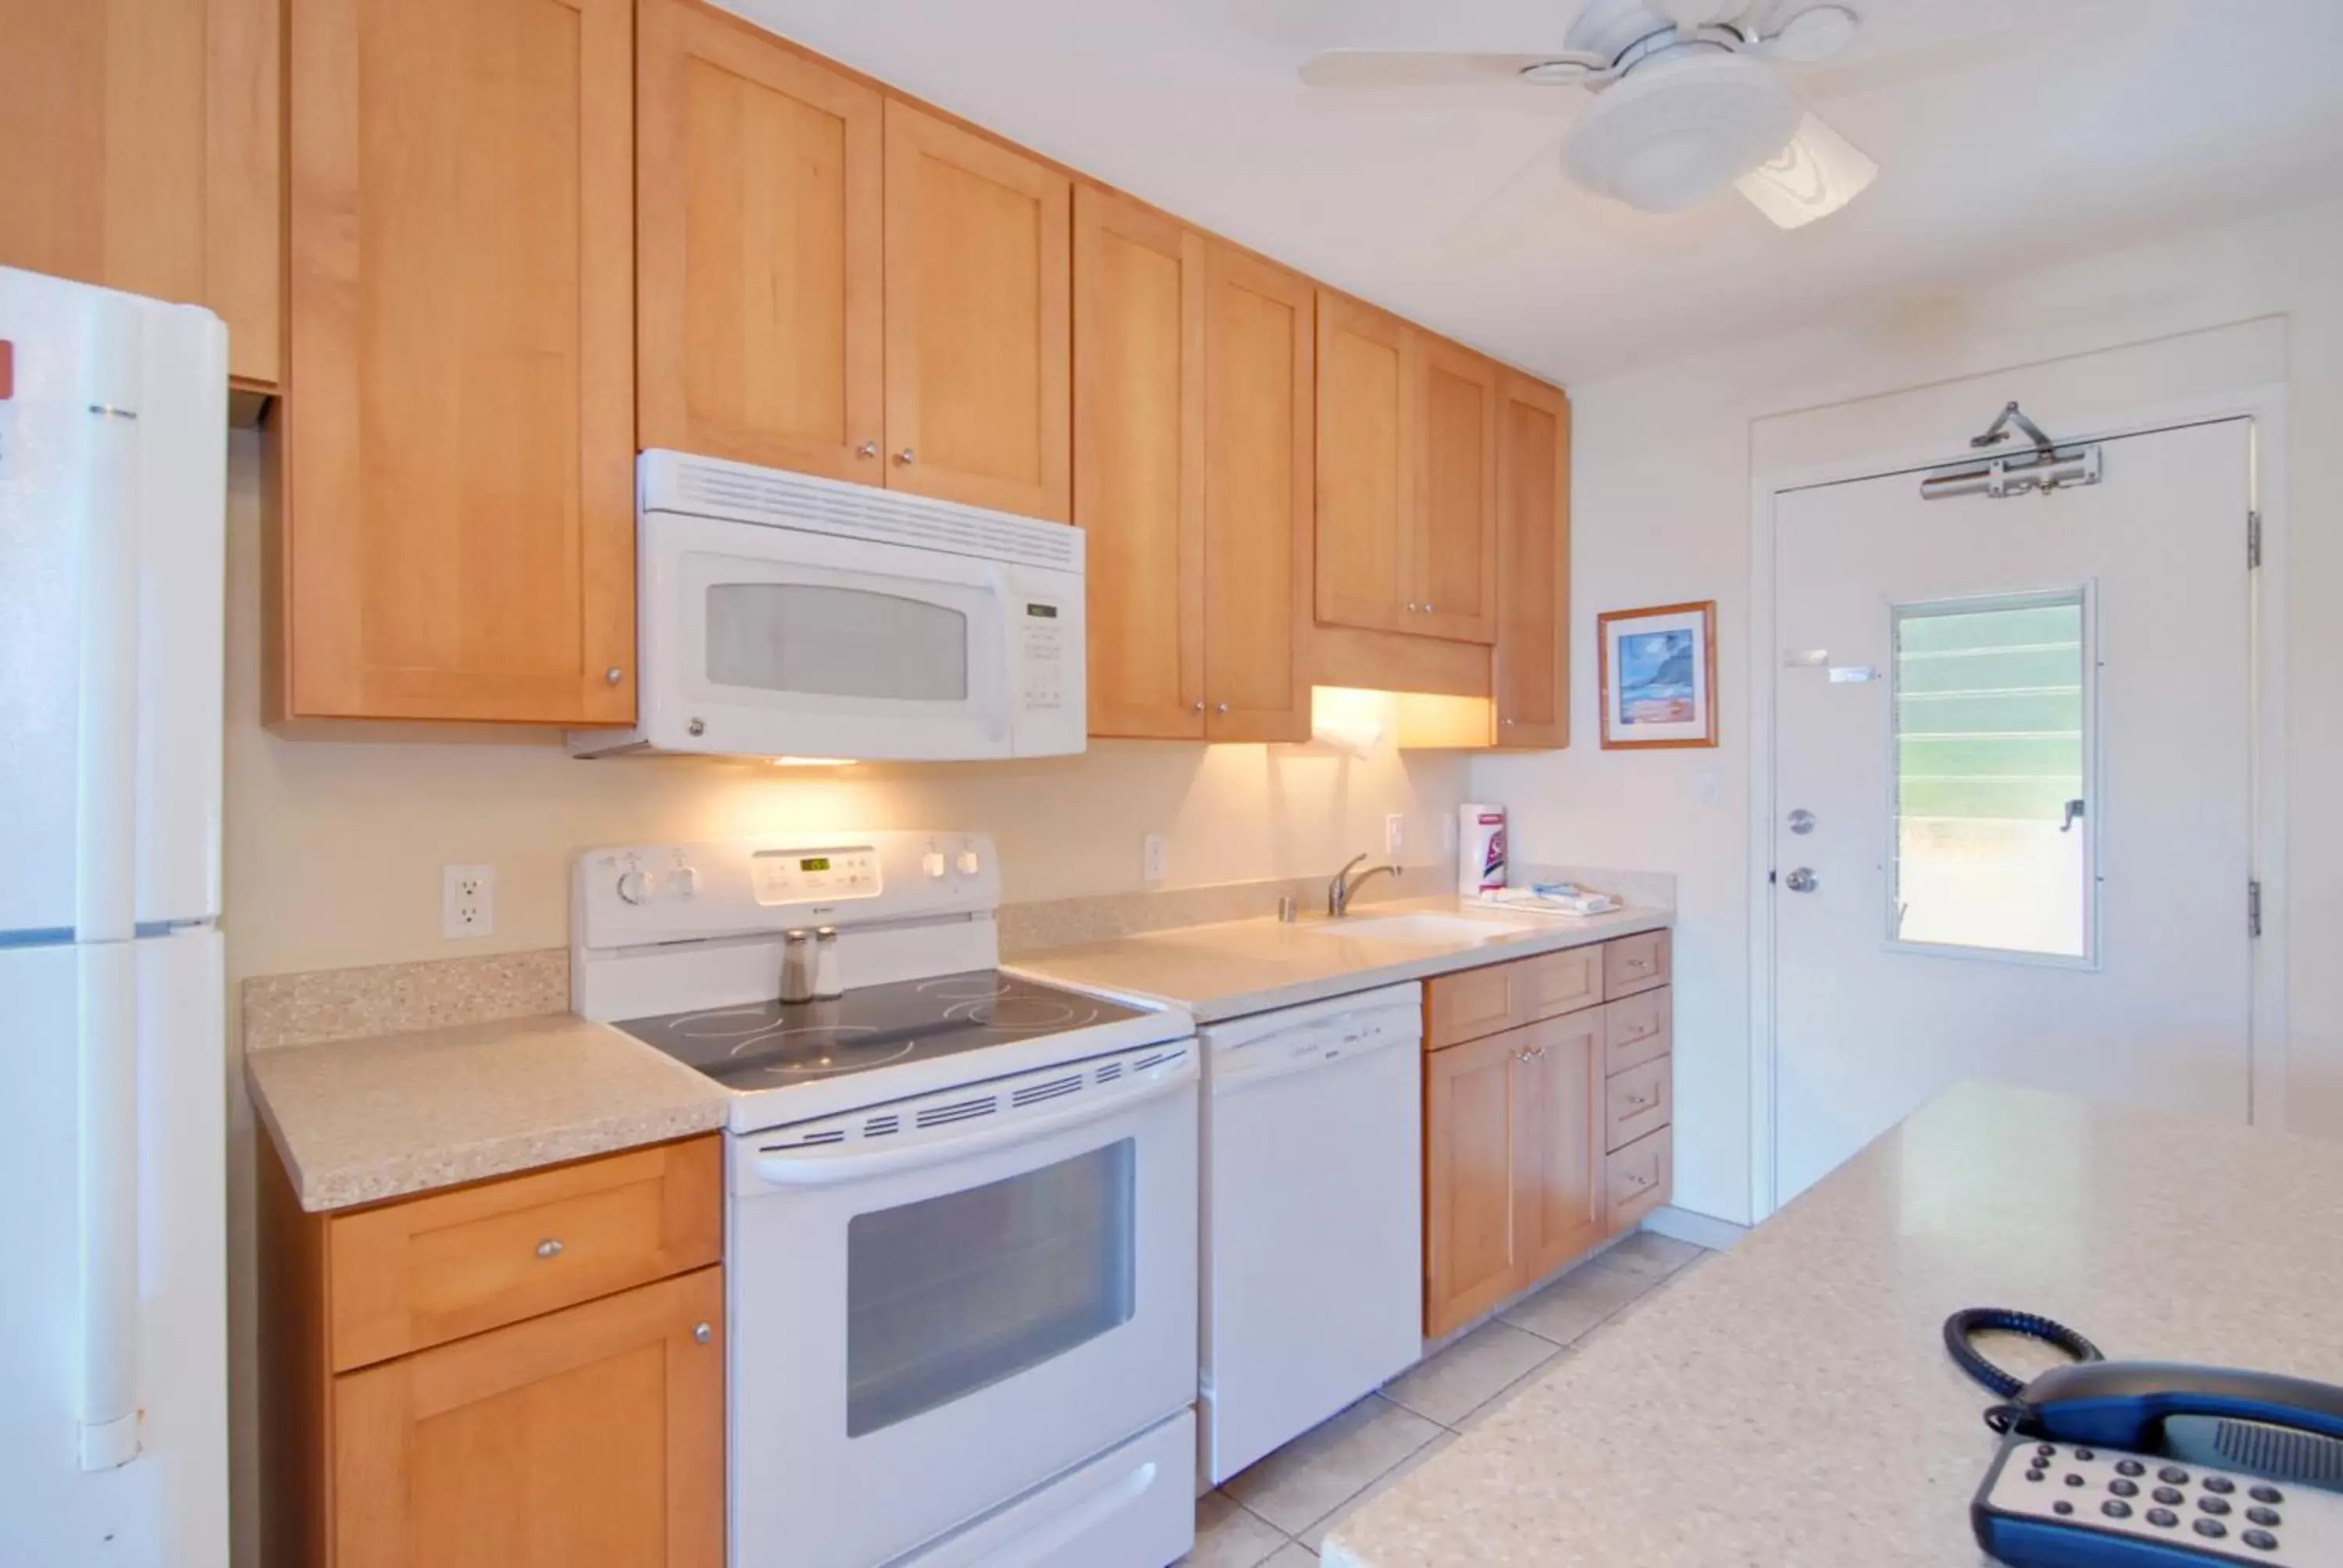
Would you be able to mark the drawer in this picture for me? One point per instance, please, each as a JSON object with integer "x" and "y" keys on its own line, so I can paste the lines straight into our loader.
{"x": 1635, "y": 1029}
{"x": 1634, "y": 963}
{"x": 1640, "y": 1177}
{"x": 427, "y": 1270}
{"x": 1637, "y": 1101}
{"x": 1551, "y": 984}
{"x": 1467, "y": 1005}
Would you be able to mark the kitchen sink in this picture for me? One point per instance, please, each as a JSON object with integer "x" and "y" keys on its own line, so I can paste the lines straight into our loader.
{"x": 1418, "y": 928}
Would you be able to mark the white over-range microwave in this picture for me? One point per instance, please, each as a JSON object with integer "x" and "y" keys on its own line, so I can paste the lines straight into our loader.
{"x": 783, "y": 616}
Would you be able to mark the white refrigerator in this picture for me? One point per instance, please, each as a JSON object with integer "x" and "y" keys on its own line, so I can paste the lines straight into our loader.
{"x": 113, "y": 1076}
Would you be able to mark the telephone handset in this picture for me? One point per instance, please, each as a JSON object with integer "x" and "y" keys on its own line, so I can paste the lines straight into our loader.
{"x": 2119, "y": 1463}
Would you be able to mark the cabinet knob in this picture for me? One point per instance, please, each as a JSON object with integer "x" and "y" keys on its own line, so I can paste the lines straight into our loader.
{"x": 868, "y": 449}
{"x": 612, "y": 676}
{"x": 905, "y": 457}
{"x": 1219, "y": 708}
{"x": 1505, "y": 721}
{"x": 702, "y": 1332}
{"x": 1199, "y": 704}
{"x": 549, "y": 1248}
{"x": 1411, "y": 606}
{"x": 1427, "y": 606}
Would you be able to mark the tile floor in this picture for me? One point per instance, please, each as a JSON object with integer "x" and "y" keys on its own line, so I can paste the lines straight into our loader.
{"x": 1274, "y": 1514}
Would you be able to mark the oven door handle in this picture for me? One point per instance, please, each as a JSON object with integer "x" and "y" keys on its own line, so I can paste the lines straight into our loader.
{"x": 822, "y": 1168}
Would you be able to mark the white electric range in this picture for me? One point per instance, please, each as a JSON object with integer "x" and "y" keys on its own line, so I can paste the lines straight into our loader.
{"x": 960, "y": 1223}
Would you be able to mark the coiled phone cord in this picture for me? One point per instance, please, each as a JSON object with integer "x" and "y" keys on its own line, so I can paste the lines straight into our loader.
{"x": 1971, "y": 1321}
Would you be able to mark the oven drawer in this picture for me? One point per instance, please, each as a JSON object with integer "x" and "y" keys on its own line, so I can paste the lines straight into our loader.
{"x": 1636, "y": 1028}
{"x": 1636, "y": 1101}
{"x": 427, "y": 1270}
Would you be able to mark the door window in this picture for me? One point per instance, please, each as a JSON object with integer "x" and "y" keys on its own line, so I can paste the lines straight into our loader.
{"x": 953, "y": 1293}
{"x": 813, "y": 639}
{"x": 1993, "y": 755}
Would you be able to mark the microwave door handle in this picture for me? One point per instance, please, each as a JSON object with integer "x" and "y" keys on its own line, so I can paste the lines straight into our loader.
{"x": 822, "y": 1168}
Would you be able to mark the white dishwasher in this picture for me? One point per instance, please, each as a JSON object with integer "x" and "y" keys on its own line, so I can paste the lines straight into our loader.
{"x": 1312, "y": 1215}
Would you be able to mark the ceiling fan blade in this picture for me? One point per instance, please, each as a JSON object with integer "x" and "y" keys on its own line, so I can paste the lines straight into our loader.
{"x": 1431, "y": 68}
{"x": 1817, "y": 174}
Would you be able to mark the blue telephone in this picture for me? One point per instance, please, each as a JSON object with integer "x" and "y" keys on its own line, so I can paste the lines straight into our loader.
{"x": 2130, "y": 1464}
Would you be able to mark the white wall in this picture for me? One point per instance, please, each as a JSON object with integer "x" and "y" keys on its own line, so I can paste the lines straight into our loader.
{"x": 1663, "y": 469}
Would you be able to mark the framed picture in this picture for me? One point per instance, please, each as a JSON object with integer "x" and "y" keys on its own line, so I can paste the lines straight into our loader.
{"x": 1659, "y": 675}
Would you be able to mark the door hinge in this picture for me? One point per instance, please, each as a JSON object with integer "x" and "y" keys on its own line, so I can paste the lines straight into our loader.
{"x": 2253, "y": 541}
{"x": 2253, "y": 908}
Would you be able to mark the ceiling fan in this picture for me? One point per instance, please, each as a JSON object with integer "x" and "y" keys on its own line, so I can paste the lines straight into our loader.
{"x": 1689, "y": 97}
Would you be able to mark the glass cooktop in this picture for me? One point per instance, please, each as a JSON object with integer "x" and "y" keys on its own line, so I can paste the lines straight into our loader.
{"x": 763, "y": 1045}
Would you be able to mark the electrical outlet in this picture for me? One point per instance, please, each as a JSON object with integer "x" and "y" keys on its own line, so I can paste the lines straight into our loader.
{"x": 468, "y": 901}
{"x": 1151, "y": 857}
{"x": 1394, "y": 835}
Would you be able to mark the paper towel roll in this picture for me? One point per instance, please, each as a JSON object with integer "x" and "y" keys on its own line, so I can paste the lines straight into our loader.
{"x": 1479, "y": 849}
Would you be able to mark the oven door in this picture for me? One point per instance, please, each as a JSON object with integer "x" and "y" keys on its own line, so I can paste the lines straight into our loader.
{"x": 768, "y": 642}
{"x": 924, "y": 1330}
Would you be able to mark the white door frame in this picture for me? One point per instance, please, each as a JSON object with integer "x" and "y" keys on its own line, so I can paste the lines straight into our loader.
{"x": 2265, "y": 406}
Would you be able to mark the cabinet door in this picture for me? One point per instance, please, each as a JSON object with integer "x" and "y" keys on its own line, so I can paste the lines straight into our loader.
{"x": 591, "y": 1437}
{"x": 1139, "y": 463}
{"x": 459, "y": 532}
{"x": 979, "y": 304}
{"x": 758, "y": 195}
{"x": 1471, "y": 1237}
{"x": 1561, "y": 1206}
{"x": 1455, "y": 578}
{"x": 1258, "y": 374}
{"x": 102, "y": 114}
{"x": 1366, "y": 466}
{"x": 1533, "y": 659}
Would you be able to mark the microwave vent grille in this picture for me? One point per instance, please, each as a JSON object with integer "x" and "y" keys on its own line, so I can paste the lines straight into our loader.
{"x": 789, "y": 500}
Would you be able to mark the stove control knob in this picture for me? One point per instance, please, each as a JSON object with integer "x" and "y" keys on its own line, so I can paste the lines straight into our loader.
{"x": 683, "y": 881}
{"x": 634, "y": 887}
{"x": 932, "y": 863}
{"x": 969, "y": 864}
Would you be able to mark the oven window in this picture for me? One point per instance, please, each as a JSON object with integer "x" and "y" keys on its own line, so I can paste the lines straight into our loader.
{"x": 836, "y": 642}
{"x": 951, "y": 1294}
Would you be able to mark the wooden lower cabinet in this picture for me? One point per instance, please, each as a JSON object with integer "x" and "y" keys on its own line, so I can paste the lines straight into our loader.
{"x": 592, "y": 1436}
{"x": 570, "y": 1414}
{"x": 1542, "y": 1140}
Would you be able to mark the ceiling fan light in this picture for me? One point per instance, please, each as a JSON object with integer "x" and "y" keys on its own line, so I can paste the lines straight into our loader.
{"x": 1681, "y": 128}
{"x": 1815, "y": 174}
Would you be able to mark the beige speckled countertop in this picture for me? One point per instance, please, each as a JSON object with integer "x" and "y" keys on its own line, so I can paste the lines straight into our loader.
{"x": 1249, "y": 965}
{"x": 358, "y": 1121}
{"x": 1790, "y": 1401}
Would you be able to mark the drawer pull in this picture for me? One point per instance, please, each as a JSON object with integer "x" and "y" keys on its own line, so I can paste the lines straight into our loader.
{"x": 1640, "y": 1183}
{"x": 1639, "y": 963}
{"x": 1637, "y": 1101}
{"x": 549, "y": 1248}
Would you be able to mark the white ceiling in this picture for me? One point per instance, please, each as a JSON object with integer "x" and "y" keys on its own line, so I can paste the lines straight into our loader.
{"x": 2009, "y": 132}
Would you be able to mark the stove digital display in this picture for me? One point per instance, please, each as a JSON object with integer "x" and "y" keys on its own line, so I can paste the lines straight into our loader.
{"x": 795, "y": 877}
{"x": 814, "y": 863}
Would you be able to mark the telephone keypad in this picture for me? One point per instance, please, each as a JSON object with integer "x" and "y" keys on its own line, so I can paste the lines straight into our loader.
{"x": 2187, "y": 1510}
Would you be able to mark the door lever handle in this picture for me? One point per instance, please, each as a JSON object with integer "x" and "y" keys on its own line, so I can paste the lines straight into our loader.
{"x": 2073, "y": 811}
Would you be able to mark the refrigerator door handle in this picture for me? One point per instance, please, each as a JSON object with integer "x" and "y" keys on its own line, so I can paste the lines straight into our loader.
{"x": 106, "y": 859}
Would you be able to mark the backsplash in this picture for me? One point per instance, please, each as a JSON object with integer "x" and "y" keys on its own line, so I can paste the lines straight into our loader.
{"x": 320, "y": 1005}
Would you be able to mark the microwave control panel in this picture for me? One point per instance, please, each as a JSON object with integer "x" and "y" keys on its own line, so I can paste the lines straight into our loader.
{"x": 814, "y": 876}
{"x": 1041, "y": 632}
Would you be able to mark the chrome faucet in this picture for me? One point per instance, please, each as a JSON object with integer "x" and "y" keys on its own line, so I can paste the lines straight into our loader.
{"x": 1339, "y": 890}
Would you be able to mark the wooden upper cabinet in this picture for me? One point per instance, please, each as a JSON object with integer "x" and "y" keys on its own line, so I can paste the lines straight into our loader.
{"x": 142, "y": 155}
{"x": 1453, "y": 580}
{"x": 592, "y": 1435}
{"x": 1259, "y": 369}
{"x": 1139, "y": 463}
{"x": 1367, "y": 493}
{"x": 979, "y": 304}
{"x": 1531, "y": 671}
{"x": 457, "y": 441}
{"x": 759, "y": 182}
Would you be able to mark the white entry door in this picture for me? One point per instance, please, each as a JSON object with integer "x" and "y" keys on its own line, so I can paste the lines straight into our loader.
{"x": 2013, "y": 782}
